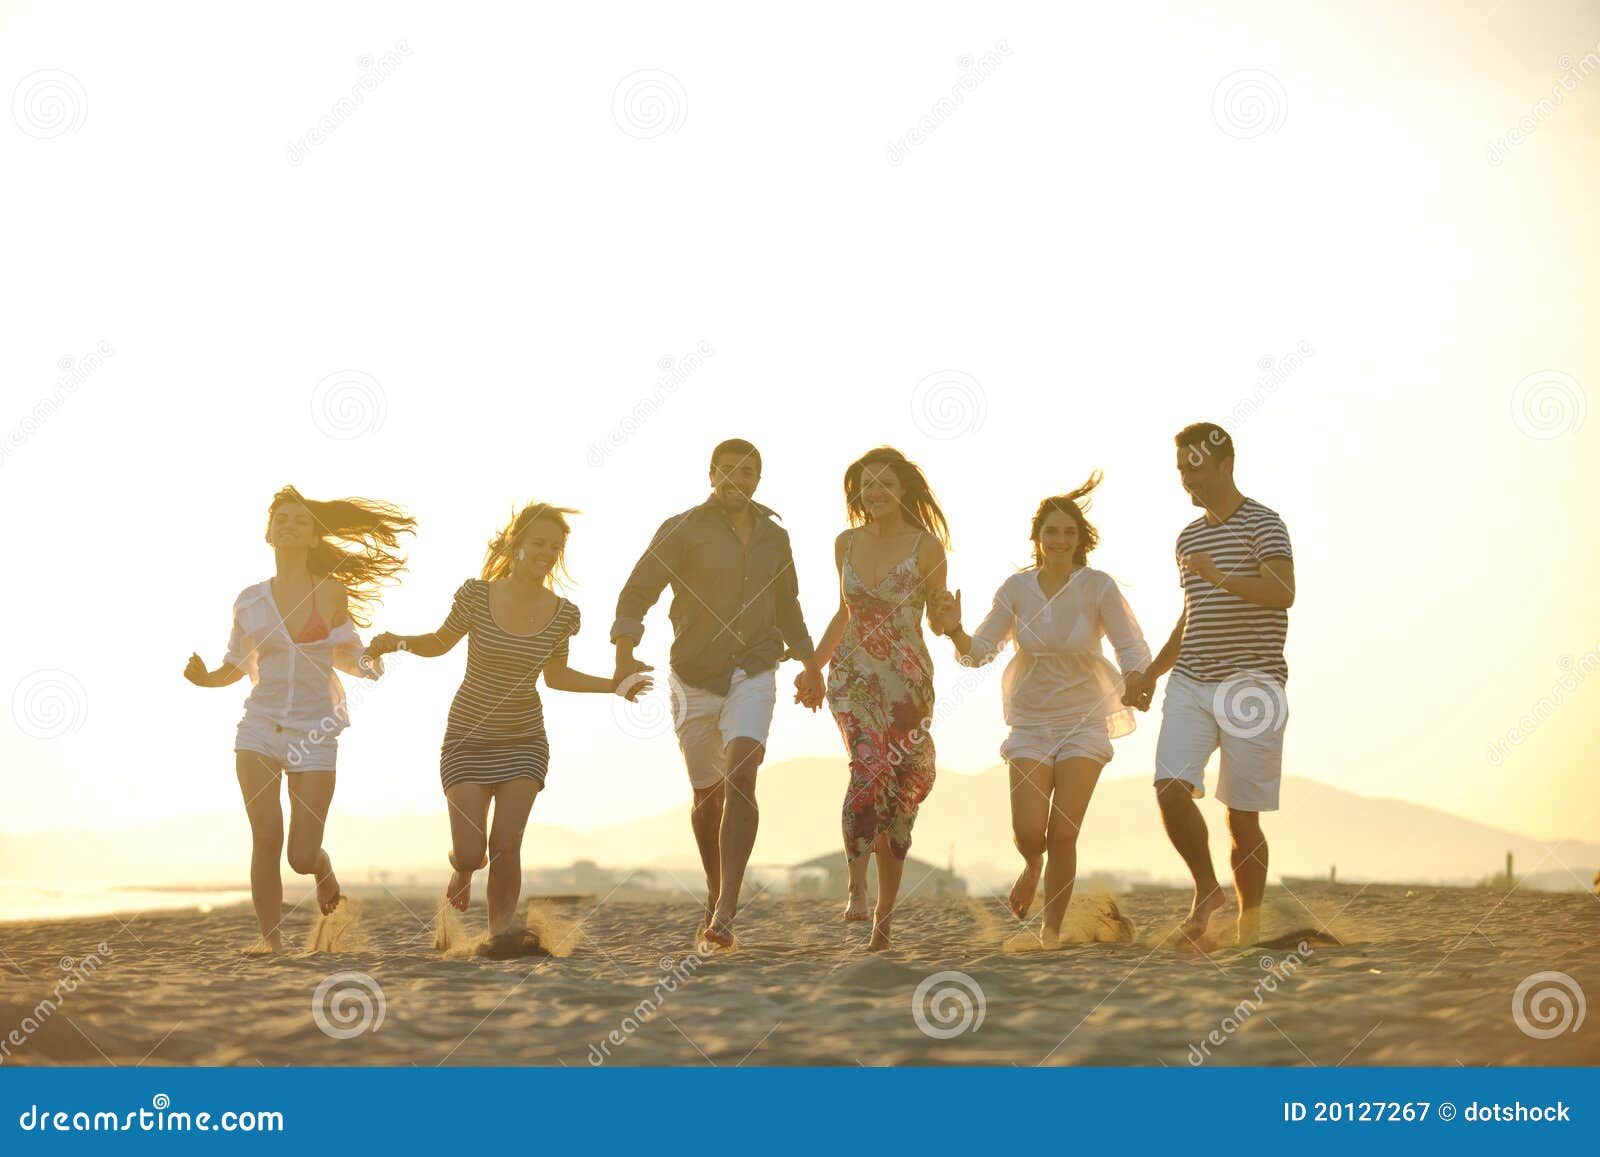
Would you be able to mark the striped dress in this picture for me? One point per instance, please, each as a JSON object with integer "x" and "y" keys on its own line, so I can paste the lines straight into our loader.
{"x": 496, "y": 728}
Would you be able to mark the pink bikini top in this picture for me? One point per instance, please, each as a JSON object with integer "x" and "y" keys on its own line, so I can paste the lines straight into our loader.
{"x": 314, "y": 630}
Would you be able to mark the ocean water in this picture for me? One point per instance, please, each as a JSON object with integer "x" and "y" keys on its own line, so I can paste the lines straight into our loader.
{"x": 32, "y": 900}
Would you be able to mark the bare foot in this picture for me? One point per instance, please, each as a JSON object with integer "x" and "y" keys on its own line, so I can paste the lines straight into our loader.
{"x": 1249, "y": 925}
{"x": 328, "y": 895}
{"x": 1049, "y": 937}
{"x": 881, "y": 940}
{"x": 1201, "y": 910}
{"x": 458, "y": 892}
{"x": 718, "y": 932}
{"x": 1026, "y": 887}
{"x": 855, "y": 908}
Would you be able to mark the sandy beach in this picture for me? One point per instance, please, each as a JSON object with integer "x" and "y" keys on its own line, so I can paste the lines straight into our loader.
{"x": 1421, "y": 976}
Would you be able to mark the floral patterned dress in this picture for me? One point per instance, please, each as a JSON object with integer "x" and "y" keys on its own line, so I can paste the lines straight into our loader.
{"x": 880, "y": 690}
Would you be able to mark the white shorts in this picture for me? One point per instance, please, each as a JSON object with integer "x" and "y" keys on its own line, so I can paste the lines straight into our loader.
{"x": 1244, "y": 716}
{"x": 1088, "y": 740}
{"x": 291, "y": 748}
{"x": 707, "y": 722}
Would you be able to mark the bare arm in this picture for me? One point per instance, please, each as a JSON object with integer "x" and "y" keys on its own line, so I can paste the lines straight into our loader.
{"x": 829, "y": 642}
{"x": 560, "y": 677}
{"x": 197, "y": 673}
{"x": 1273, "y": 587}
{"x": 429, "y": 646}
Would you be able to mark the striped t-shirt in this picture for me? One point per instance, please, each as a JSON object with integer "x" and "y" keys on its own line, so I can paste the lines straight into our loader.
{"x": 1223, "y": 635}
{"x": 499, "y": 697}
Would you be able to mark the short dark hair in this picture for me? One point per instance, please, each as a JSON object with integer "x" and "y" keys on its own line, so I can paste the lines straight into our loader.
{"x": 736, "y": 446}
{"x": 1207, "y": 437}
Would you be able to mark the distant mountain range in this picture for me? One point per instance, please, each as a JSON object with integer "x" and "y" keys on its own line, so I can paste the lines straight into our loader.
{"x": 965, "y": 821}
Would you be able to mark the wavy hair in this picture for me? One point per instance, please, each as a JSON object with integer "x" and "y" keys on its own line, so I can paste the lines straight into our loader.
{"x": 1072, "y": 504}
{"x": 917, "y": 504}
{"x": 358, "y": 543}
{"x": 497, "y": 561}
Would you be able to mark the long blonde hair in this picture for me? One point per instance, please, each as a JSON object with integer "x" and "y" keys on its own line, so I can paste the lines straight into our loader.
{"x": 497, "y": 561}
{"x": 372, "y": 528}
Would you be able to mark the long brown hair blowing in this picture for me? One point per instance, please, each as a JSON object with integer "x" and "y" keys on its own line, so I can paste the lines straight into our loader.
{"x": 1073, "y": 505}
{"x": 503, "y": 546}
{"x": 917, "y": 504}
{"x": 358, "y": 543}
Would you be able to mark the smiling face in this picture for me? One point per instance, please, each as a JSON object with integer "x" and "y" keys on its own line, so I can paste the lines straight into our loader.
{"x": 882, "y": 494}
{"x": 291, "y": 527}
{"x": 538, "y": 550}
{"x": 1205, "y": 473}
{"x": 1059, "y": 539}
{"x": 734, "y": 477}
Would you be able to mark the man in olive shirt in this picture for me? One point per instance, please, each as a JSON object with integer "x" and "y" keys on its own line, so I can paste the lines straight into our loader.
{"x": 735, "y": 615}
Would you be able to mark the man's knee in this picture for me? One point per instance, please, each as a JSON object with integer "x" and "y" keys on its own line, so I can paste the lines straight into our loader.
{"x": 1172, "y": 793}
{"x": 744, "y": 758}
{"x": 1245, "y": 828}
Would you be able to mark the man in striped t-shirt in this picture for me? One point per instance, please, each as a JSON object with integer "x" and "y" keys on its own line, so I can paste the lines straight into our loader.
{"x": 1228, "y": 676}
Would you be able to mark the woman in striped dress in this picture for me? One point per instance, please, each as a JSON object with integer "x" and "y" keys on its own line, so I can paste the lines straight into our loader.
{"x": 495, "y": 749}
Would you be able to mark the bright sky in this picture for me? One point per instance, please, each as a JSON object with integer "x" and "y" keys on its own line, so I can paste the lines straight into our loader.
{"x": 1310, "y": 227}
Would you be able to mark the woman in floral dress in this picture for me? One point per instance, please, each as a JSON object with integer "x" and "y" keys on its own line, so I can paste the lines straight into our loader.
{"x": 891, "y": 566}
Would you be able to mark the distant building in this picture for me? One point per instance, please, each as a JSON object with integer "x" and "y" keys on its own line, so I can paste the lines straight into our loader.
{"x": 826, "y": 875}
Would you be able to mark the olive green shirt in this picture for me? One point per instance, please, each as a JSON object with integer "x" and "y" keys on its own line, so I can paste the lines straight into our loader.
{"x": 733, "y": 605}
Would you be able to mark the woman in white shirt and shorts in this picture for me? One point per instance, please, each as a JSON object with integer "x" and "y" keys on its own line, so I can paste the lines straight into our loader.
{"x": 291, "y": 635}
{"x": 1063, "y": 698}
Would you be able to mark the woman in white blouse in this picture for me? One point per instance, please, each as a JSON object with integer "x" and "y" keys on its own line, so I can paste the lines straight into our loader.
{"x": 1063, "y": 698}
{"x": 290, "y": 634}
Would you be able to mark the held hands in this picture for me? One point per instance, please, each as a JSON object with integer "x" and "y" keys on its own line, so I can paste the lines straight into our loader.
{"x": 633, "y": 684}
{"x": 384, "y": 643}
{"x": 944, "y": 613}
{"x": 630, "y": 679}
{"x": 809, "y": 688}
{"x": 1203, "y": 567}
{"x": 1138, "y": 690}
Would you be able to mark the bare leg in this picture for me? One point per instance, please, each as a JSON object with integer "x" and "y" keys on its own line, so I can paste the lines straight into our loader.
{"x": 1249, "y": 858}
{"x": 890, "y": 868}
{"x": 1074, "y": 781}
{"x": 310, "y": 796}
{"x": 706, "y": 819}
{"x": 1186, "y": 828}
{"x": 740, "y": 819}
{"x": 258, "y": 783}
{"x": 855, "y": 907}
{"x": 513, "y": 800}
{"x": 469, "y": 840}
{"x": 1031, "y": 784}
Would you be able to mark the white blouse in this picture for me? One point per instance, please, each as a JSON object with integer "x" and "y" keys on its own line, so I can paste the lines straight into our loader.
{"x": 1059, "y": 675}
{"x": 295, "y": 685}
